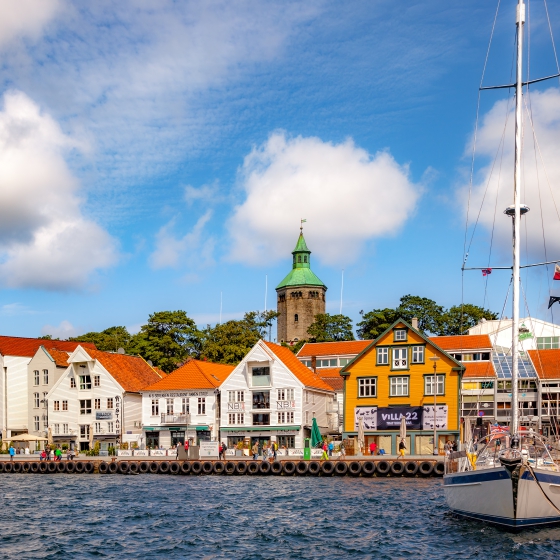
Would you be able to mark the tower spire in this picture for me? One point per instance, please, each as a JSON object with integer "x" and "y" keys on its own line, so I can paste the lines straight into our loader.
{"x": 303, "y": 220}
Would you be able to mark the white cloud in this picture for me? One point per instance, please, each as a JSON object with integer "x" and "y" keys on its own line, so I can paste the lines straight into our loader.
{"x": 539, "y": 182}
{"x": 191, "y": 249}
{"x": 45, "y": 241}
{"x": 64, "y": 330}
{"x": 14, "y": 309}
{"x": 347, "y": 196}
{"x": 209, "y": 194}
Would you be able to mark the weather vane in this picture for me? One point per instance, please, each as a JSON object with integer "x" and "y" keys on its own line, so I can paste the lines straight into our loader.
{"x": 301, "y": 225}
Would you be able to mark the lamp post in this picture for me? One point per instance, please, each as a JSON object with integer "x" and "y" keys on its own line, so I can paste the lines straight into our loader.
{"x": 435, "y": 359}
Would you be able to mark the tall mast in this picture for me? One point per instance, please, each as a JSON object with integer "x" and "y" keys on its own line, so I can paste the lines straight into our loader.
{"x": 517, "y": 219}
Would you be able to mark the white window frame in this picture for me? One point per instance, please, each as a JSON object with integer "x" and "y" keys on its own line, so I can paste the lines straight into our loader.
{"x": 383, "y": 356}
{"x": 56, "y": 429}
{"x": 110, "y": 428}
{"x": 185, "y": 405}
{"x": 84, "y": 408}
{"x": 65, "y": 406}
{"x": 45, "y": 377}
{"x": 367, "y": 387}
{"x": 418, "y": 354}
{"x": 97, "y": 381}
{"x": 397, "y": 386}
{"x": 400, "y": 335}
{"x": 400, "y": 362}
{"x": 36, "y": 376}
{"x": 429, "y": 384}
{"x": 56, "y": 406}
{"x": 64, "y": 428}
{"x": 155, "y": 407}
{"x": 97, "y": 404}
{"x": 201, "y": 406}
{"x": 85, "y": 385}
{"x": 36, "y": 423}
{"x": 36, "y": 399}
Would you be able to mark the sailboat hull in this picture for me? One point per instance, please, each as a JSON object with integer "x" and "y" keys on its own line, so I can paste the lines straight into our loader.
{"x": 489, "y": 495}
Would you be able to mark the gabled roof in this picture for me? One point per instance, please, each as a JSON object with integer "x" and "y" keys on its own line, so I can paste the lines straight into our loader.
{"x": 478, "y": 369}
{"x": 463, "y": 342}
{"x": 303, "y": 373}
{"x": 27, "y": 347}
{"x": 132, "y": 373}
{"x": 195, "y": 374}
{"x": 546, "y": 362}
{"x": 336, "y": 384}
{"x": 328, "y": 372}
{"x": 60, "y": 358}
{"x": 345, "y": 348}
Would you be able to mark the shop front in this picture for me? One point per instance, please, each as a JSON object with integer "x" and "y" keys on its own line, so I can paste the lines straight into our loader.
{"x": 164, "y": 437}
{"x": 284, "y": 437}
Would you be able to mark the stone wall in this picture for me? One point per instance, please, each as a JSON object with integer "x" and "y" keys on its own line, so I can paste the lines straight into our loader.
{"x": 303, "y": 301}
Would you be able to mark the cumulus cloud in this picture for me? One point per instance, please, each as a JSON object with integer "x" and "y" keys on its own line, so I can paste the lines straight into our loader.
{"x": 191, "y": 249}
{"x": 45, "y": 241}
{"x": 493, "y": 185}
{"x": 64, "y": 330}
{"x": 347, "y": 195}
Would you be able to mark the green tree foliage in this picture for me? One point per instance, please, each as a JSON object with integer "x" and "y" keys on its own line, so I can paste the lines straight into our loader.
{"x": 330, "y": 328}
{"x": 109, "y": 340}
{"x": 427, "y": 311}
{"x": 459, "y": 319}
{"x": 375, "y": 322}
{"x": 168, "y": 339}
{"x": 228, "y": 343}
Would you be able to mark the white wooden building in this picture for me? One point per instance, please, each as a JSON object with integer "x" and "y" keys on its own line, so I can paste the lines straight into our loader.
{"x": 272, "y": 396}
{"x": 98, "y": 399}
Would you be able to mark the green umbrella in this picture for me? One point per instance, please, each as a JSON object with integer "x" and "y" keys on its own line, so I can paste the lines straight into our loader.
{"x": 316, "y": 438}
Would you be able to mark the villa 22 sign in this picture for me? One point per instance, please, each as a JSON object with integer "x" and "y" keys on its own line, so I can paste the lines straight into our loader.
{"x": 390, "y": 418}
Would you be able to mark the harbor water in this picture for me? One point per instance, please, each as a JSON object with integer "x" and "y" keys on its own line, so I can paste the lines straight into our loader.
{"x": 211, "y": 517}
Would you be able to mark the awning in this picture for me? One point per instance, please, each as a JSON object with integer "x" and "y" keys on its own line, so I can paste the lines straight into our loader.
{"x": 262, "y": 429}
{"x": 190, "y": 428}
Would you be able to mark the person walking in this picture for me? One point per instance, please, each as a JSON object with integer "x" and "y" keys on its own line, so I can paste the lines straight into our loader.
{"x": 58, "y": 454}
{"x": 255, "y": 450}
{"x": 372, "y": 448}
{"x": 12, "y": 452}
{"x": 224, "y": 449}
{"x": 331, "y": 448}
{"x": 48, "y": 449}
{"x": 402, "y": 448}
{"x": 324, "y": 456}
{"x": 274, "y": 449}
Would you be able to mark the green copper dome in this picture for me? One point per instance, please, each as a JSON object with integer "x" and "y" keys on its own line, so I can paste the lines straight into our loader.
{"x": 301, "y": 274}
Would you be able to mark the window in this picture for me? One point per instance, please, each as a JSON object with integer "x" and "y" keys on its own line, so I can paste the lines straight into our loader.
{"x": 285, "y": 418}
{"x": 98, "y": 427}
{"x": 306, "y": 363}
{"x": 97, "y": 381}
{"x": 285, "y": 394}
{"x": 307, "y": 416}
{"x": 155, "y": 407}
{"x": 344, "y": 361}
{"x": 45, "y": 377}
{"x": 429, "y": 385}
{"x": 296, "y": 318}
{"x": 261, "y": 419}
{"x": 231, "y": 418}
{"x": 398, "y": 387}
{"x": 261, "y": 399}
{"x": 56, "y": 428}
{"x": 399, "y": 335}
{"x": 299, "y": 258}
{"x": 286, "y": 441}
{"x": 36, "y": 423}
{"x": 383, "y": 356}
{"x": 304, "y": 258}
{"x": 72, "y": 383}
{"x": 84, "y": 431}
{"x": 110, "y": 402}
{"x": 201, "y": 405}
{"x": 45, "y": 400}
{"x": 236, "y": 418}
{"x": 312, "y": 398}
{"x": 64, "y": 405}
{"x": 45, "y": 421}
{"x": 110, "y": 427}
{"x": 486, "y": 384}
{"x": 400, "y": 358}
{"x": 85, "y": 382}
{"x": 64, "y": 428}
{"x": 473, "y": 357}
{"x": 548, "y": 342}
{"x": 331, "y": 362}
{"x": 260, "y": 376}
{"x": 417, "y": 354}
{"x": 36, "y": 377}
{"x": 35, "y": 400}
{"x": 367, "y": 387}
{"x": 306, "y": 397}
{"x": 185, "y": 406}
{"x": 85, "y": 406}
{"x": 97, "y": 404}
{"x": 56, "y": 405}
{"x": 169, "y": 406}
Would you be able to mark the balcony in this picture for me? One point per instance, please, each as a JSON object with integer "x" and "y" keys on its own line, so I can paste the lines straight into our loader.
{"x": 175, "y": 418}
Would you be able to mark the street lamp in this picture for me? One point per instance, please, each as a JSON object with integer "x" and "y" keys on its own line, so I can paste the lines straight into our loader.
{"x": 435, "y": 359}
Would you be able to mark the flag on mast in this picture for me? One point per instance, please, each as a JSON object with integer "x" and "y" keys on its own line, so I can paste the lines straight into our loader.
{"x": 552, "y": 300}
{"x": 486, "y": 271}
{"x": 557, "y": 272}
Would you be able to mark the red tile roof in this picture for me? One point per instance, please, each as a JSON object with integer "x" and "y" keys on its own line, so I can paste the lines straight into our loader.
{"x": 303, "y": 373}
{"x": 546, "y": 362}
{"x": 329, "y": 372}
{"x": 60, "y": 358}
{"x": 348, "y": 347}
{"x": 465, "y": 342}
{"x": 334, "y": 383}
{"x": 132, "y": 373}
{"x": 195, "y": 374}
{"x": 26, "y": 347}
{"x": 478, "y": 369}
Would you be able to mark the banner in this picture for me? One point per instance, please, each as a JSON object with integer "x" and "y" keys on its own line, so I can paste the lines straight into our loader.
{"x": 390, "y": 418}
{"x": 441, "y": 417}
{"x": 368, "y": 414}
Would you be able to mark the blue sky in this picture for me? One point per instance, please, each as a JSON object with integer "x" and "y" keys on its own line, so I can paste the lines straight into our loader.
{"x": 156, "y": 154}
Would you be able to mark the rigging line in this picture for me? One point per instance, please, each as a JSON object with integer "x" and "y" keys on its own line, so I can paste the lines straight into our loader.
{"x": 551, "y": 37}
{"x": 475, "y": 136}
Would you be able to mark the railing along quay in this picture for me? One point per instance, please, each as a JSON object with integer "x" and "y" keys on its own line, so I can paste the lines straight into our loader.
{"x": 355, "y": 468}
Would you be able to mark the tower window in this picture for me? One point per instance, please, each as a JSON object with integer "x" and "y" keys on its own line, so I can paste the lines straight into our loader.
{"x": 299, "y": 259}
{"x": 296, "y": 318}
{"x": 305, "y": 258}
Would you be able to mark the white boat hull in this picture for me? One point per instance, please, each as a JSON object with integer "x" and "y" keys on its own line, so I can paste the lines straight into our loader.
{"x": 489, "y": 495}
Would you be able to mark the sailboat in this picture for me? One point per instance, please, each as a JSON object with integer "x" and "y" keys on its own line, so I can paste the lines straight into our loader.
{"x": 516, "y": 486}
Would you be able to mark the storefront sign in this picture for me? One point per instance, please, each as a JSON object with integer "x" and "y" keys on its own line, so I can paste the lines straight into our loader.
{"x": 178, "y": 394}
{"x": 103, "y": 415}
{"x": 235, "y": 406}
{"x": 390, "y": 418}
{"x": 441, "y": 417}
{"x": 158, "y": 452}
{"x": 141, "y": 452}
{"x": 368, "y": 414}
{"x": 125, "y": 452}
{"x": 283, "y": 405}
{"x": 209, "y": 449}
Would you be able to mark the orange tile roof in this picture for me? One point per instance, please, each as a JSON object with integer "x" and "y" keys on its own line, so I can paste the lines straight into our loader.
{"x": 27, "y": 347}
{"x": 303, "y": 373}
{"x": 478, "y": 369}
{"x": 344, "y": 348}
{"x": 334, "y": 383}
{"x": 465, "y": 342}
{"x": 60, "y": 358}
{"x": 546, "y": 362}
{"x": 132, "y": 373}
{"x": 195, "y": 374}
{"x": 329, "y": 372}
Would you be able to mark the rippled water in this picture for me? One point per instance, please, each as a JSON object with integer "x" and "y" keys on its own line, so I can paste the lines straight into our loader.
{"x": 155, "y": 516}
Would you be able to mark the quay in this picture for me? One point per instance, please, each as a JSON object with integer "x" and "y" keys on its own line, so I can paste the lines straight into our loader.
{"x": 358, "y": 467}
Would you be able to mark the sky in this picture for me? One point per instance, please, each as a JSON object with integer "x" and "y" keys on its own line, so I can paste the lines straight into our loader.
{"x": 160, "y": 156}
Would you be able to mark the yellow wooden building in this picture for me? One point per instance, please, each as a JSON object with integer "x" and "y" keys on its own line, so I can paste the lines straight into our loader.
{"x": 394, "y": 377}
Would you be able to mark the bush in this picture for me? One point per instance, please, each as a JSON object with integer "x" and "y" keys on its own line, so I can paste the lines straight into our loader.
{"x": 124, "y": 445}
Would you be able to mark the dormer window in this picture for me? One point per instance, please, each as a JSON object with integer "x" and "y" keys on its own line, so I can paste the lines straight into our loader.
{"x": 85, "y": 382}
{"x": 260, "y": 376}
{"x": 399, "y": 335}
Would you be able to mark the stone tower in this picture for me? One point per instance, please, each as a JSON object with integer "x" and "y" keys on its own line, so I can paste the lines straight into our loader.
{"x": 301, "y": 296}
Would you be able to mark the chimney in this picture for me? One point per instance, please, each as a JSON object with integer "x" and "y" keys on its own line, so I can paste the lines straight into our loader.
{"x": 414, "y": 323}
{"x": 314, "y": 364}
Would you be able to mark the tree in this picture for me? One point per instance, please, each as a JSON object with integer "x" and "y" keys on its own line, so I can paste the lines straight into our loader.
{"x": 375, "y": 322}
{"x": 109, "y": 340}
{"x": 168, "y": 339}
{"x": 459, "y": 319}
{"x": 330, "y": 328}
{"x": 427, "y": 311}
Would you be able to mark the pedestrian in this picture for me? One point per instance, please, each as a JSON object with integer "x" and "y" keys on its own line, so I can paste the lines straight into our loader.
{"x": 48, "y": 452}
{"x": 324, "y": 456}
{"x": 12, "y": 452}
{"x": 342, "y": 451}
{"x": 224, "y": 449}
{"x": 43, "y": 456}
{"x": 331, "y": 448}
{"x": 220, "y": 451}
{"x": 274, "y": 449}
{"x": 255, "y": 450}
{"x": 372, "y": 448}
{"x": 58, "y": 454}
{"x": 402, "y": 448}
{"x": 498, "y": 444}
{"x": 454, "y": 446}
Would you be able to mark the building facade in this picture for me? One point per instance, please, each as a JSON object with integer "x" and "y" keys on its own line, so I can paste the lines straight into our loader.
{"x": 300, "y": 296}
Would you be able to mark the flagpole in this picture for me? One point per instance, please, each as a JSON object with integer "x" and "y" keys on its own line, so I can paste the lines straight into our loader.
{"x": 220, "y": 308}
{"x": 341, "y": 290}
{"x": 265, "y": 290}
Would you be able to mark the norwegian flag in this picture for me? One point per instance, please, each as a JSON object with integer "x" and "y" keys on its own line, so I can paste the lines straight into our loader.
{"x": 487, "y": 271}
{"x": 557, "y": 272}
